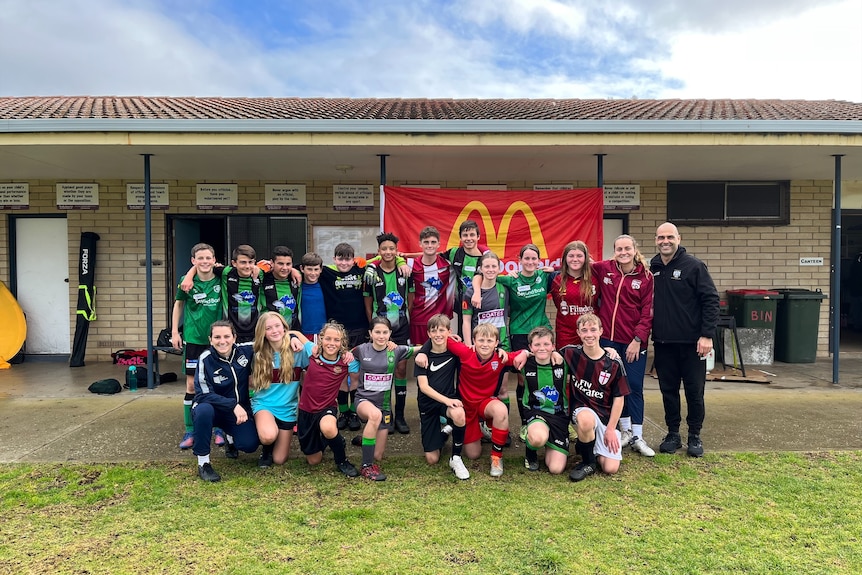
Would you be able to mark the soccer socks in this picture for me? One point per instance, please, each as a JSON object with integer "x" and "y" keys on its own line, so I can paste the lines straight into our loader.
{"x": 498, "y": 440}
{"x": 400, "y": 397}
{"x": 531, "y": 453}
{"x": 458, "y": 439}
{"x": 187, "y": 412}
{"x": 519, "y": 392}
{"x": 638, "y": 430}
{"x": 626, "y": 424}
{"x": 586, "y": 451}
{"x": 342, "y": 401}
{"x": 336, "y": 444}
{"x": 353, "y": 400}
{"x": 368, "y": 444}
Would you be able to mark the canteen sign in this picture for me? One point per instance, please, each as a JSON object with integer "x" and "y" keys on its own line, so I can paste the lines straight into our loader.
{"x": 507, "y": 219}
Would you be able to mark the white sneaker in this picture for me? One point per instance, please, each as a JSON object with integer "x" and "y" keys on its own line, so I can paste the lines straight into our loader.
{"x": 639, "y": 445}
{"x": 626, "y": 437}
{"x": 496, "y": 466}
{"x": 458, "y": 467}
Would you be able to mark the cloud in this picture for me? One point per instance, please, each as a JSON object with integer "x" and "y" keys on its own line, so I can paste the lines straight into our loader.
{"x": 425, "y": 48}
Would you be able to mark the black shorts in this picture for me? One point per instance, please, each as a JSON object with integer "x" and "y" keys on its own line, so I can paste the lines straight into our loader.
{"x": 401, "y": 334}
{"x": 518, "y": 341}
{"x": 429, "y": 422}
{"x": 284, "y": 425}
{"x": 356, "y": 337}
{"x": 244, "y": 337}
{"x": 558, "y": 428}
{"x": 190, "y": 357}
{"x": 311, "y": 441}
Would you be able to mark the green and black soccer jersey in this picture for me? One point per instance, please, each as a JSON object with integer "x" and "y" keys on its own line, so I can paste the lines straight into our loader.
{"x": 202, "y": 305}
{"x": 545, "y": 387}
{"x": 281, "y": 296}
{"x": 388, "y": 291}
{"x": 527, "y": 295}
{"x": 465, "y": 266}
{"x": 240, "y": 297}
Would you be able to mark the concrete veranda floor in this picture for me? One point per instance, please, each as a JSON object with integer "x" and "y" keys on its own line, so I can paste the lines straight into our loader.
{"x": 47, "y": 414}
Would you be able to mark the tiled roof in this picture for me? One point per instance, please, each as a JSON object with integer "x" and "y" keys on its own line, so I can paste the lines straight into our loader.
{"x": 57, "y": 107}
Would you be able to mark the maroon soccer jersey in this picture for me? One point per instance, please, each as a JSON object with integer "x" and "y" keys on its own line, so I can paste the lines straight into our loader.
{"x": 594, "y": 382}
{"x": 322, "y": 380}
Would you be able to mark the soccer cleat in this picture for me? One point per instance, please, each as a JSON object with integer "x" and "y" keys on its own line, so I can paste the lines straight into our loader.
{"x": 458, "y": 467}
{"x": 188, "y": 441}
{"x": 496, "y": 466}
{"x": 230, "y": 451}
{"x": 401, "y": 425}
{"x": 531, "y": 465}
{"x": 639, "y": 445}
{"x": 353, "y": 422}
{"x": 508, "y": 440}
{"x": 219, "y": 437}
{"x": 372, "y": 472}
{"x": 207, "y": 473}
{"x": 265, "y": 459}
{"x": 347, "y": 468}
{"x": 695, "y": 446}
{"x": 343, "y": 419}
{"x": 357, "y": 441}
{"x": 672, "y": 441}
{"x": 626, "y": 437}
{"x": 581, "y": 471}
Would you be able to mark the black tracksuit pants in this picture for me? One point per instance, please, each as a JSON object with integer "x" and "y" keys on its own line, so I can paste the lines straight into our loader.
{"x": 675, "y": 362}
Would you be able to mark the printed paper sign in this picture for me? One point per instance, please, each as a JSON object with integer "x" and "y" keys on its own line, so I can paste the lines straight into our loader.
{"x": 285, "y": 197}
{"x": 158, "y": 196}
{"x": 14, "y": 196}
{"x": 622, "y": 197}
{"x": 77, "y": 196}
{"x": 217, "y": 196}
{"x": 352, "y": 197}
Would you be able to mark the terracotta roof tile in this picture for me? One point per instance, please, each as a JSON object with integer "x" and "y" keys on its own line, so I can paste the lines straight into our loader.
{"x": 37, "y": 107}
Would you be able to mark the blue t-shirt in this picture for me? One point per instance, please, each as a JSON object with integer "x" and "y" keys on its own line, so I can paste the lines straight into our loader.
{"x": 281, "y": 399}
{"x": 312, "y": 311}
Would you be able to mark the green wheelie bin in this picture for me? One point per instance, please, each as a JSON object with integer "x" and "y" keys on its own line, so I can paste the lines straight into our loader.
{"x": 797, "y": 325}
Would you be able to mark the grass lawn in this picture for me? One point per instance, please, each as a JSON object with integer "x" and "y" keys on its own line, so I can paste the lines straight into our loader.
{"x": 730, "y": 513}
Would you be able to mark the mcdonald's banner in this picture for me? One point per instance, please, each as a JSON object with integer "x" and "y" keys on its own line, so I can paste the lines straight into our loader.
{"x": 507, "y": 219}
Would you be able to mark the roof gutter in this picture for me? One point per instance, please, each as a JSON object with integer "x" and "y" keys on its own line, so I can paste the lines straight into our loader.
{"x": 850, "y": 127}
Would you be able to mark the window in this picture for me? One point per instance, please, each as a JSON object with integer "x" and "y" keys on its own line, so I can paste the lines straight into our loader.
{"x": 729, "y": 203}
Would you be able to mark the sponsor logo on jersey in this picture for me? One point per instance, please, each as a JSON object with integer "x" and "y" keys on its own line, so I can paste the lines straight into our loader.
{"x": 394, "y": 298}
{"x": 439, "y": 365}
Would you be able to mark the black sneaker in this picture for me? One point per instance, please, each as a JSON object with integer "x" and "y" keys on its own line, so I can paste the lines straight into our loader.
{"x": 508, "y": 440}
{"x": 207, "y": 473}
{"x": 230, "y": 450}
{"x": 531, "y": 465}
{"x": 401, "y": 425}
{"x": 372, "y": 472}
{"x": 357, "y": 441}
{"x": 695, "y": 446}
{"x": 265, "y": 459}
{"x": 581, "y": 471}
{"x": 347, "y": 468}
{"x": 343, "y": 418}
{"x": 672, "y": 441}
{"x": 353, "y": 422}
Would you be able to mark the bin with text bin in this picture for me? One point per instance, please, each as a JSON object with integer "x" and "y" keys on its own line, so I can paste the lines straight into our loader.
{"x": 797, "y": 325}
{"x": 755, "y": 311}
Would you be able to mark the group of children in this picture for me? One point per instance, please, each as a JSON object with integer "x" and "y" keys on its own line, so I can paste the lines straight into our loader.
{"x": 251, "y": 332}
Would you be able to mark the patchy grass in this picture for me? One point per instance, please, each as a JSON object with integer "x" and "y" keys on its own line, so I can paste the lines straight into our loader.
{"x": 731, "y": 513}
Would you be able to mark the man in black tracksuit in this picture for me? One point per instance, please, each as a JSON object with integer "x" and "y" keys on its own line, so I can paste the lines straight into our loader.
{"x": 685, "y": 313}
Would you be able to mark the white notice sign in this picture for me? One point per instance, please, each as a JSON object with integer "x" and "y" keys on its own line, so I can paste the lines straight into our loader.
{"x": 158, "y": 196}
{"x": 352, "y": 197}
{"x": 552, "y": 187}
{"x": 14, "y": 196}
{"x": 77, "y": 196}
{"x": 811, "y": 261}
{"x": 285, "y": 197}
{"x": 217, "y": 196}
{"x": 622, "y": 197}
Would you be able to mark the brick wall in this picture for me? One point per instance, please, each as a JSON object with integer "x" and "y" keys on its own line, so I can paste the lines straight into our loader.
{"x": 747, "y": 256}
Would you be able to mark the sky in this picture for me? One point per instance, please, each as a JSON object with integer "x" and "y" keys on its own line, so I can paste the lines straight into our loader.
{"x": 763, "y": 49}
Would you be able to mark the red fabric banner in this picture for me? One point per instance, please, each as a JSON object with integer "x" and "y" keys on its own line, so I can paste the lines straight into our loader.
{"x": 507, "y": 219}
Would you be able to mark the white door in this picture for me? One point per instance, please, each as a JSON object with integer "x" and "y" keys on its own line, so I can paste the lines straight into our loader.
{"x": 613, "y": 228}
{"x": 42, "y": 274}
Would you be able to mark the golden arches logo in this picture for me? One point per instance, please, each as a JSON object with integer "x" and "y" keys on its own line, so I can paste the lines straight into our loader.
{"x": 496, "y": 238}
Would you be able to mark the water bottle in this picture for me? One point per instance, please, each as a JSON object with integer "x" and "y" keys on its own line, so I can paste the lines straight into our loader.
{"x": 132, "y": 378}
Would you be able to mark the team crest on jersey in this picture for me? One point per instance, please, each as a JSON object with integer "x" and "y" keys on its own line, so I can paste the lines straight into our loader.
{"x": 636, "y": 284}
{"x": 394, "y": 298}
{"x": 558, "y": 372}
{"x": 217, "y": 288}
{"x": 608, "y": 280}
{"x": 677, "y": 274}
{"x": 538, "y": 280}
{"x": 336, "y": 369}
{"x": 604, "y": 377}
{"x": 401, "y": 280}
{"x": 242, "y": 360}
{"x": 495, "y": 365}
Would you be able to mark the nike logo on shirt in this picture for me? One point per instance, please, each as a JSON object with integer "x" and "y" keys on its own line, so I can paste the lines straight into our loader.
{"x": 436, "y": 367}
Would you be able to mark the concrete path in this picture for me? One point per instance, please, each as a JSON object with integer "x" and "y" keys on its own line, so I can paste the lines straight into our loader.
{"x": 47, "y": 414}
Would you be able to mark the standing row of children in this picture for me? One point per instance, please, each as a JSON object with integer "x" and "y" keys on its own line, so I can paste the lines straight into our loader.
{"x": 345, "y": 290}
